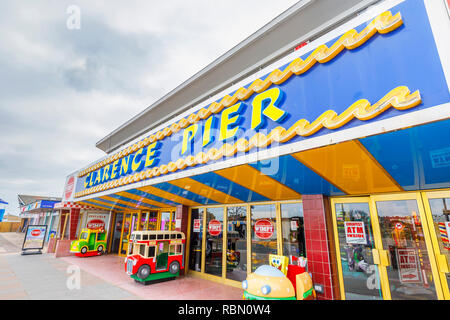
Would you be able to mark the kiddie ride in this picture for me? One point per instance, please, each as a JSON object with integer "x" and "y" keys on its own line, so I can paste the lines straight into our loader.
{"x": 280, "y": 281}
{"x": 155, "y": 256}
{"x": 92, "y": 242}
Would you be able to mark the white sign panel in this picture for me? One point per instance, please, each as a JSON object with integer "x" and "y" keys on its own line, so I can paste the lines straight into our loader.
{"x": 355, "y": 232}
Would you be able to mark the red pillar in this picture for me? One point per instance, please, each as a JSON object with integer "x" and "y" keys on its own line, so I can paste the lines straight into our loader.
{"x": 320, "y": 249}
{"x": 182, "y": 213}
{"x": 74, "y": 218}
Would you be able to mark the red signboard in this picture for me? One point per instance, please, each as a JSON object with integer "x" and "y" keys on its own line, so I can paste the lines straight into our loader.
{"x": 264, "y": 229}
{"x": 197, "y": 223}
{"x": 95, "y": 224}
{"x": 69, "y": 187}
{"x": 35, "y": 232}
{"x": 214, "y": 227}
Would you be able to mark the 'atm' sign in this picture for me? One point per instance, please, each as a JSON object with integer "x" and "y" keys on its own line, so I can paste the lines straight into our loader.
{"x": 354, "y": 232}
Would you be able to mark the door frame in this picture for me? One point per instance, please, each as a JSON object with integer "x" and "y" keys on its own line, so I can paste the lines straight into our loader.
{"x": 356, "y": 199}
{"x": 426, "y": 196}
{"x": 126, "y": 215}
{"x": 381, "y": 258}
{"x": 426, "y": 233}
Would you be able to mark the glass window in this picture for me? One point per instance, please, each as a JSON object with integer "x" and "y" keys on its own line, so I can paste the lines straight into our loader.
{"x": 145, "y": 237}
{"x": 143, "y": 221}
{"x": 264, "y": 234}
{"x": 142, "y": 250}
{"x": 173, "y": 236}
{"x": 195, "y": 253}
{"x": 152, "y": 220}
{"x": 440, "y": 211}
{"x": 152, "y": 237}
{"x": 402, "y": 235}
{"x": 165, "y": 220}
{"x": 167, "y": 236}
{"x": 237, "y": 243}
{"x": 160, "y": 236}
{"x": 151, "y": 251}
{"x": 293, "y": 231}
{"x": 360, "y": 274}
{"x": 214, "y": 236}
{"x": 172, "y": 221}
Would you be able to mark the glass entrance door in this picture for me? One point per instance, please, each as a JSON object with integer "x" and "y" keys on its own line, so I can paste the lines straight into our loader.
{"x": 384, "y": 248}
{"x": 359, "y": 274}
{"x": 406, "y": 251}
{"x": 125, "y": 236}
{"x": 437, "y": 208}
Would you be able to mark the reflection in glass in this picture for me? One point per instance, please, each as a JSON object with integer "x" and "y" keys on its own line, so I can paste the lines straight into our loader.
{"x": 402, "y": 235}
{"x": 360, "y": 274}
{"x": 117, "y": 232}
{"x": 152, "y": 220}
{"x": 237, "y": 243}
{"x": 195, "y": 253}
{"x": 165, "y": 220}
{"x": 214, "y": 236}
{"x": 143, "y": 221}
{"x": 293, "y": 231}
{"x": 172, "y": 221}
{"x": 440, "y": 210}
{"x": 264, "y": 234}
{"x": 125, "y": 233}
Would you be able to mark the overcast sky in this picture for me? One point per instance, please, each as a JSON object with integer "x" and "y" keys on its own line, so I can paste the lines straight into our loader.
{"x": 62, "y": 89}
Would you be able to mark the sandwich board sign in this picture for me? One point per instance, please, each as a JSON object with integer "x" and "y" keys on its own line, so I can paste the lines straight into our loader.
{"x": 34, "y": 239}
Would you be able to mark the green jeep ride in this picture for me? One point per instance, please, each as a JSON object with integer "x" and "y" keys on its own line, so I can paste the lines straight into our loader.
{"x": 91, "y": 242}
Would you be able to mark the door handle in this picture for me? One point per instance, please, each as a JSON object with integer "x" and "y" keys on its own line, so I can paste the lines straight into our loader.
{"x": 443, "y": 263}
{"x": 376, "y": 256}
{"x": 384, "y": 258}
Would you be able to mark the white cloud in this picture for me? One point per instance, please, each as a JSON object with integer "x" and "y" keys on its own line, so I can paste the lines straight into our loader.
{"x": 63, "y": 90}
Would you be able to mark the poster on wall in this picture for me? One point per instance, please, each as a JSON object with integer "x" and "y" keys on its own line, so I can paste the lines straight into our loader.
{"x": 34, "y": 239}
{"x": 408, "y": 266}
{"x": 355, "y": 232}
{"x": 97, "y": 220}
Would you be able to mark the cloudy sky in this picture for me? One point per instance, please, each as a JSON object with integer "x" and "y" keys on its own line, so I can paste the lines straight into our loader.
{"x": 62, "y": 89}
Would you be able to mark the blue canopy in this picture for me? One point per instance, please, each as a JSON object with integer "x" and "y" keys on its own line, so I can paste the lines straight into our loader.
{"x": 2, "y": 201}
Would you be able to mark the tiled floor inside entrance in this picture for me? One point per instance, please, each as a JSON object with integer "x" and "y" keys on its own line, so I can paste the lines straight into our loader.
{"x": 110, "y": 268}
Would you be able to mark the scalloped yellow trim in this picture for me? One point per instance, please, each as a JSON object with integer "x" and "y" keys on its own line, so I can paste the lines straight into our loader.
{"x": 399, "y": 98}
{"x": 384, "y": 23}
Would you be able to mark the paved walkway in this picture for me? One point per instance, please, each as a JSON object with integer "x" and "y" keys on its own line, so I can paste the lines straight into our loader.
{"x": 45, "y": 277}
{"x": 103, "y": 277}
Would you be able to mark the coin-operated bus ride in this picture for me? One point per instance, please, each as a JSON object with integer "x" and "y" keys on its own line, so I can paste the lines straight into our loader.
{"x": 155, "y": 255}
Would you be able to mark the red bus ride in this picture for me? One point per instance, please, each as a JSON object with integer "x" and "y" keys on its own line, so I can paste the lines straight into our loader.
{"x": 155, "y": 255}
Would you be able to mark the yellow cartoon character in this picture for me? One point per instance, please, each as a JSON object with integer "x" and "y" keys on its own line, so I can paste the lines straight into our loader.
{"x": 279, "y": 262}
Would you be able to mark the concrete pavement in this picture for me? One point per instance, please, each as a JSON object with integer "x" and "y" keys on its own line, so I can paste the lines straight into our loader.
{"x": 45, "y": 277}
{"x": 103, "y": 277}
